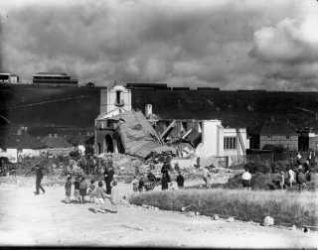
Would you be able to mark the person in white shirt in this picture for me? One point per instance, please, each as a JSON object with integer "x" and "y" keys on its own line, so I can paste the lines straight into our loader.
{"x": 246, "y": 179}
{"x": 291, "y": 177}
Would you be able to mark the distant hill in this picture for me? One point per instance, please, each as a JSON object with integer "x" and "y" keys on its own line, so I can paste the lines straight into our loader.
{"x": 236, "y": 108}
{"x": 48, "y": 106}
{"x": 77, "y": 107}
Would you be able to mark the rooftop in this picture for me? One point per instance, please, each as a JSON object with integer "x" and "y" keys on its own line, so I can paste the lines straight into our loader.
{"x": 278, "y": 128}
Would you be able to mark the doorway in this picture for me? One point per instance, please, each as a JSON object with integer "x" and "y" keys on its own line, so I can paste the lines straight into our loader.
{"x": 109, "y": 144}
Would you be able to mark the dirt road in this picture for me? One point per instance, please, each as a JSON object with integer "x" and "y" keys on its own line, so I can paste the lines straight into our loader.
{"x": 26, "y": 219}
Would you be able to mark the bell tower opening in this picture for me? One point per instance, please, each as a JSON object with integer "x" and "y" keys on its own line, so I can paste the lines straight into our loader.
{"x": 118, "y": 98}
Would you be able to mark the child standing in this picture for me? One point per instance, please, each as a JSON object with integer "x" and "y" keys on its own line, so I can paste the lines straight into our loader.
{"x": 135, "y": 184}
{"x": 282, "y": 180}
{"x": 76, "y": 188}
{"x": 68, "y": 188}
{"x": 99, "y": 197}
{"x": 114, "y": 197}
{"x": 91, "y": 189}
{"x": 83, "y": 189}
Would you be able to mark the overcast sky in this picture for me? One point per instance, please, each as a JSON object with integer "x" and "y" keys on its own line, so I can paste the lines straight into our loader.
{"x": 231, "y": 44}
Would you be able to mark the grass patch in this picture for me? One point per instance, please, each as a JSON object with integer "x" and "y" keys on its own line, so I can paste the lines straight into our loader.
{"x": 287, "y": 208}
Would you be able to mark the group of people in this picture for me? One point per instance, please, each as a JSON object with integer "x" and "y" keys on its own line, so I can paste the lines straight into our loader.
{"x": 299, "y": 175}
{"x": 147, "y": 182}
{"x": 82, "y": 191}
{"x": 81, "y": 187}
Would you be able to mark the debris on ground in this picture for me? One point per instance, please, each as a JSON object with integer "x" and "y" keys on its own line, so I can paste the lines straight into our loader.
{"x": 137, "y": 228}
{"x": 216, "y": 217}
{"x": 268, "y": 221}
{"x": 293, "y": 228}
{"x": 230, "y": 219}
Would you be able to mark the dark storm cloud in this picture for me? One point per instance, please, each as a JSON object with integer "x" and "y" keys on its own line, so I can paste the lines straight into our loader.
{"x": 180, "y": 42}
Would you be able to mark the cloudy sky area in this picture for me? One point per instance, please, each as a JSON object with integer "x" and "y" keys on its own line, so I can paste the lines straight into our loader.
{"x": 231, "y": 44}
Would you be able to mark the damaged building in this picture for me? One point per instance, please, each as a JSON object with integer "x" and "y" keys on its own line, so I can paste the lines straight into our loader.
{"x": 128, "y": 132}
{"x": 204, "y": 136}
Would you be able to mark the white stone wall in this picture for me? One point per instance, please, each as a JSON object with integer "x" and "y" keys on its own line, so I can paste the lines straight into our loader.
{"x": 213, "y": 134}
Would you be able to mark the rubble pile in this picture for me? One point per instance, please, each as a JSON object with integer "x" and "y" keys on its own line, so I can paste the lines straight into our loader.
{"x": 125, "y": 166}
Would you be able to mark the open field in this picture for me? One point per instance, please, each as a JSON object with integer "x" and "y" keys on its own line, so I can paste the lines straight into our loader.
{"x": 45, "y": 220}
{"x": 287, "y": 208}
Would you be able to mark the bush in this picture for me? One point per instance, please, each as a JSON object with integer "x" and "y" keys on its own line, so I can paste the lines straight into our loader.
{"x": 279, "y": 166}
{"x": 253, "y": 167}
{"x": 286, "y": 208}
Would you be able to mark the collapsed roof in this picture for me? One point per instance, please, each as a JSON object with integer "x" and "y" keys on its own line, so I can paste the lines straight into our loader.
{"x": 137, "y": 135}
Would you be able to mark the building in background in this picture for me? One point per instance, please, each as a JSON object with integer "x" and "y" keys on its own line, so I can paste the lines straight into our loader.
{"x": 18, "y": 144}
{"x": 54, "y": 79}
{"x": 9, "y": 78}
{"x": 217, "y": 141}
{"x": 279, "y": 134}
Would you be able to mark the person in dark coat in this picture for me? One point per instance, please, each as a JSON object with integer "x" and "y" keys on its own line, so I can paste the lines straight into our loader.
{"x": 301, "y": 179}
{"x": 165, "y": 178}
{"x": 180, "y": 180}
{"x": 108, "y": 177}
{"x": 151, "y": 181}
{"x": 38, "y": 179}
{"x": 141, "y": 184}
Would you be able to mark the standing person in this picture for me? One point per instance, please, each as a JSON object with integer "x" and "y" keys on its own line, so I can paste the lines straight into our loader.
{"x": 151, "y": 180}
{"x": 282, "y": 180}
{"x": 109, "y": 175}
{"x": 68, "y": 188}
{"x": 77, "y": 188}
{"x": 165, "y": 177}
{"x": 100, "y": 197}
{"x": 83, "y": 189}
{"x": 298, "y": 158}
{"x": 246, "y": 179}
{"x": 291, "y": 177}
{"x": 306, "y": 166}
{"x": 180, "y": 180}
{"x": 39, "y": 177}
{"x": 91, "y": 189}
{"x": 141, "y": 183}
{"x": 301, "y": 179}
{"x": 114, "y": 197}
{"x": 206, "y": 176}
{"x": 134, "y": 184}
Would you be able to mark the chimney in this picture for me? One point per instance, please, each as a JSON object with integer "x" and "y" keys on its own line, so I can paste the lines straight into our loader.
{"x": 148, "y": 110}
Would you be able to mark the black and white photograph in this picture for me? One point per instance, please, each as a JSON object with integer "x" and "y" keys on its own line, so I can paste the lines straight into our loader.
{"x": 158, "y": 123}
